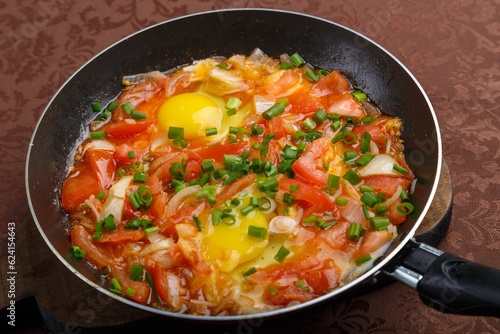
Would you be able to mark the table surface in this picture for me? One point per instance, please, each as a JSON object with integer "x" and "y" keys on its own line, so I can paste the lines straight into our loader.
{"x": 452, "y": 48}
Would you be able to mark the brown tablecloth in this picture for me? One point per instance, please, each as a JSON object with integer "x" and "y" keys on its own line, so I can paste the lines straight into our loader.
{"x": 452, "y": 47}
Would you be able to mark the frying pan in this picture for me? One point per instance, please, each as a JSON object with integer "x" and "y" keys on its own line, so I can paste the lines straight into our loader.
{"x": 444, "y": 281}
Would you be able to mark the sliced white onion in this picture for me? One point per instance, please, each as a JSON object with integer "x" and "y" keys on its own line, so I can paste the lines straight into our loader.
{"x": 159, "y": 161}
{"x": 256, "y": 56}
{"x": 180, "y": 197}
{"x": 162, "y": 244}
{"x": 350, "y": 190}
{"x": 222, "y": 82}
{"x": 374, "y": 148}
{"x": 136, "y": 78}
{"x": 382, "y": 164}
{"x": 99, "y": 144}
{"x": 352, "y": 212}
{"x": 160, "y": 140}
{"x": 282, "y": 224}
{"x": 391, "y": 200}
{"x": 116, "y": 199}
{"x": 93, "y": 209}
{"x": 388, "y": 147}
{"x": 262, "y": 103}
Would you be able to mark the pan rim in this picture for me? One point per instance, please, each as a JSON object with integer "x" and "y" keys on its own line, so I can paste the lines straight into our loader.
{"x": 266, "y": 314}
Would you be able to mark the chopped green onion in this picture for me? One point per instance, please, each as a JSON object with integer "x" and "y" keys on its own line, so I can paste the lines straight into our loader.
{"x": 405, "y": 208}
{"x": 256, "y": 146}
{"x": 257, "y": 232}
{"x": 382, "y": 141}
{"x": 140, "y": 177}
{"x": 228, "y": 219}
{"x": 299, "y": 135}
{"x": 403, "y": 195}
{"x": 104, "y": 116}
{"x": 96, "y": 107}
{"x": 197, "y": 222}
{"x": 210, "y": 132}
{"x": 310, "y": 219}
{"x": 249, "y": 272}
{"x": 276, "y": 109}
{"x": 273, "y": 291}
{"x": 363, "y": 259}
{"x": 359, "y": 96}
{"x": 268, "y": 185}
{"x": 349, "y": 155}
{"x": 146, "y": 223}
{"x": 104, "y": 271}
{"x": 366, "y": 140}
{"x": 232, "y": 139}
{"x": 365, "y": 211}
{"x": 122, "y": 171}
{"x": 282, "y": 253}
{"x": 216, "y": 216}
{"x": 321, "y": 73}
{"x": 264, "y": 203}
{"x": 370, "y": 199}
{"x": 400, "y": 169}
{"x": 381, "y": 210}
{"x": 230, "y": 159}
{"x": 77, "y": 252}
{"x": 290, "y": 153}
{"x": 256, "y": 130}
{"x": 97, "y": 135}
{"x": 365, "y": 159}
{"x": 288, "y": 199}
{"x": 131, "y": 154}
{"x": 116, "y": 284}
{"x": 311, "y": 75}
{"x": 136, "y": 272}
{"x": 112, "y": 106}
{"x": 309, "y": 123}
{"x": 254, "y": 201}
{"x": 151, "y": 284}
{"x": 110, "y": 223}
{"x": 116, "y": 292}
{"x": 333, "y": 181}
{"x": 138, "y": 115}
{"x": 128, "y": 108}
{"x": 177, "y": 170}
{"x": 180, "y": 143}
{"x": 246, "y": 210}
{"x": 365, "y": 189}
{"x": 207, "y": 166}
{"x": 233, "y": 102}
{"x": 355, "y": 232}
{"x": 175, "y": 132}
{"x": 341, "y": 201}
{"x": 286, "y": 66}
{"x": 300, "y": 284}
{"x": 101, "y": 194}
{"x": 294, "y": 187}
{"x": 223, "y": 66}
{"x": 349, "y": 138}
{"x": 130, "y": 292}
{"x": 352, "y": 177}
{"x": 349, "y": 121}
{"x": 367, "y": 119}
{"x": 231, "y": 112}
{"x": 97, "y": 235}
{"x": 151, "y": 230}
{"x": 297, "y": 60}
{"x": 335, "y": 125}
{"x": 326, "y": 225}
{"x": 233, "y": 130}
{"x": 245, "y": 155}
{"x": 133, "y": 224}
{"x": 379, "y": 223}
{"x": 333, "y": 117}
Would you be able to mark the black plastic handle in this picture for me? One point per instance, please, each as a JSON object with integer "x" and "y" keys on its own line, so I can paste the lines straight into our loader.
{"x": 449, "y": 283}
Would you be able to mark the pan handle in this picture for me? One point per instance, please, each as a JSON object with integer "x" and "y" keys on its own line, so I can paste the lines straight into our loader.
{"x": 449, "y": 283}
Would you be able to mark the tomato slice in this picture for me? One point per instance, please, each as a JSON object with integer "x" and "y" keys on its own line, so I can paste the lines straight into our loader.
{"x": 333, "y": 83}
{"x": 305, "y": 166}
{"x": 217, "y": 151}
{"x": 161, "y": 175}
{"x": 192, "y": 170}
{"x": 386, "y": 184}
{"x": 121, "y": 153}
{"x": 78, "y": 187}
{"x": 318, "y": 202}
{"x": 158, "y": 277}
{"x": 102, "y": 165}
{"x": 121, "y": 236}
{"x": 304, "y": 102}
{"x": 346, "y": 106}
{"x": 127, "y": 128}
{"x": 281, "y": 81}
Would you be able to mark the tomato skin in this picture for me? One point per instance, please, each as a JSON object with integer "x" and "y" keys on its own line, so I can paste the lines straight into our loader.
{"x": 78, "y": 187}
{"x": 217, "y": 151}
{"x": 319, "y": 203}
{"x": 386, "y": 184}
{"x": 346, "y": 106}
{"x": 127, "y": 128}
{"x": 280, "y": 82}
{"x": 103, "y": 166}
{"x": 304, "y": 102}
{"x": 332, "y": 84}
{"x": 305, "y": 166}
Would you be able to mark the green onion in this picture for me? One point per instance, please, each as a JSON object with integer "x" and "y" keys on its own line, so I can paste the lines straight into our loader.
{"x": 249, "y": 272}
{"x": 177, "y": 170}
{"x": 254, "y": 201}
{"x": 230, "y": 179}
{"x": 370, "y": 199}
{"x": 403, "y": 195}
{"x": 294, "y": 187}
{"x": 365, "y": 211}
{"x": 131, "y": 154}
{"x": 128, "y": 108}
{"x": 233, "y": 130}
{"x": 233, "y": 102}
{"x": 341, "y": 201}
{"x": 151, "y": 230}
{"x": 96, "y": 107}
{"x": 359, "y": 96}
{"x": 257, "y": 232}
{"x": 256, "y": 130}
{"x": 400, "y": 169}
{"x": 309, "y": 123}
{"x": 264, "y": 203}
{"x": 104, "y": 116}
{"x": 321, "y": 73}
{"x": 116, "y": 292}
{"x": 349, "y": 138}
{"x": 245, "y": 155}
{"x": 365, "y": 159}
{"x": 290, "y": 153}
{"x": 133, "y": 224}
{"x": 223, "y": 66}
{"x": 175, "y": 132}
{"x": 363, "y": 259}
{"x": 231, "y": 112}
{"x": 333, "y": 117}
{"x": 355, "y": 232}
{"x": 297, "y": 60}
{"x": 335, "y": 125}
{"x": 104, "y": 271}
{"x": 246, "y": 210}
{"x": 288, "y": 199}
{"x": 282, "y": 253}
{"x": 207, "y": 166}
{"x": 333, "y": 181}
{"x": 273, "y": 291}
{"x": 116, "y": 284}
{"x": 136, "y": 272}
{"x": 97, "y": 235}
{"x": 326, "y": 225}
{"x": 349, "y": 155}
{"x": 405, "y": 208}
{"x": 367, "y": 119}
{"x": 256, "y": 146}
{"x": 352, "y": 177}
{"x": 180, "y": 143}
{"x": 97, "y": 135}
{"x": 101, "y": 194}
{"x": 286, "y": 66}
{"x": 299, "y": 135}
{"x": 366, "y": 140}
{"x": 130, "y": 292}
{"x": 230, "y": 159}
{"x": 276, "y": 109}
{"x": 300, "y": 284}
{"x": 382, "y": 141}
{"x": 110, "y": 223}
{"x": 210, "y": 132}
{"x": 77, "y": 252}
{"x": 146, "y": 223}
{"x": 232, "y": 139}
{"x": 381, "y": 210}
{"x": 365, "y": 189}
{"x": 268, "y": 185}
{"x": 379, "y": 223}
{"x": 228, "y": 219}
{"x": 151, "y": 284}
{"x": 216, "y": 216}
{"x": 310, "y": 219}
{"x": 122, "y": 171}
{"x": 138, "y": 115}
{"x": 311, "y": 75}
{"x": 140, "y": 177}
{"x": 197, "y": 222}
{"x": 349, "y": 121}
{"x": 112, "y": 106}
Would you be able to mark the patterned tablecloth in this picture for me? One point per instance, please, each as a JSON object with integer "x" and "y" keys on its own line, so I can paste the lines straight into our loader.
{"x": 452, "y": 47}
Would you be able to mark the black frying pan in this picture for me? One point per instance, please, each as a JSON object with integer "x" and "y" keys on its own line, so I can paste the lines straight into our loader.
{"x": 448, "y": 283}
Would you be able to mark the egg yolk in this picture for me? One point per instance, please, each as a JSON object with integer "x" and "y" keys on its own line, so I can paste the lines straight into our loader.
{"x": 230, "y": 245}
{"x": 191, "y": 111}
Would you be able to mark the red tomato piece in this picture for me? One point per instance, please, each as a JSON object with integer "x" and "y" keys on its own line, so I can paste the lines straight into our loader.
{"x": 304, "y": 102}
{"x": 217, "y": 151}
{"x": 234, "y": 188}
{"x": 386, "y": 184}
{"x": 161, "y": 175}
{"x": 121, "y": 153}
{"x": 78, "y": 187}
{"x": 318, "y": 202}
{"x": 158, "y": 277}
{"x": 102, "y": 165}
{"x": 305, "y": 166}
{"x": 127, "y": 128}
{"x": 280, "y": 82}
{"x": 331, "y": 84}
{"x": 346, "y": 106}
{"x": 121, "y": 236}
{"x": 372, "y": 241}
{"x": 192, "y": 170}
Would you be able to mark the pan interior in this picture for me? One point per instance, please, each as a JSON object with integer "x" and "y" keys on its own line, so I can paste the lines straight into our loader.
{"x": 180, "y": 41}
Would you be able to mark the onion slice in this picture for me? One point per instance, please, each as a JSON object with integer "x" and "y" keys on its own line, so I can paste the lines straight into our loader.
{"x": 282, "y": 224}
{"x": 180, "y": 197}
{"x": 99, "y": 144}
{"x": 391, "y": 200}
{"x": 382, "y": 164}
{"x": 136, "y": 78}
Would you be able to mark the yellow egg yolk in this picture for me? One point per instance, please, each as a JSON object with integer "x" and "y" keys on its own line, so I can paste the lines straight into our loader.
{"x": 191, "y": 111}
{"x": 230, "y": 245}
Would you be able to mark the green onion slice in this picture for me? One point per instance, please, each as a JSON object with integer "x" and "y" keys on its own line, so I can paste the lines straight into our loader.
{"x": 405, "y": 208}
{"x": 257, "y": 232}
{"x": 363, "y": 259}
{"x": 136, "y": 272}
{"x": 282, "y": 253}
